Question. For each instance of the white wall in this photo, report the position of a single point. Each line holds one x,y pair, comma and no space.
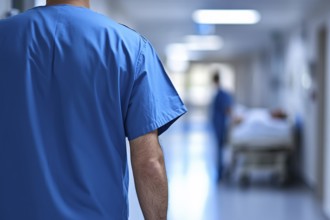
254,81
254,76
5,6
320,19
260,79
260,82
298,100
243,82
301,52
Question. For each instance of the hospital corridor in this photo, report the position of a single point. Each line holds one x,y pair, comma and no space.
195,194
255,78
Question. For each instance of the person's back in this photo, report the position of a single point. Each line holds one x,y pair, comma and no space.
221,108
222,104
69,82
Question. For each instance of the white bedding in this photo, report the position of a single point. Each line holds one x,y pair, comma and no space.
260,130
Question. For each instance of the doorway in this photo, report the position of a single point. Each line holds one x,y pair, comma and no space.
321,119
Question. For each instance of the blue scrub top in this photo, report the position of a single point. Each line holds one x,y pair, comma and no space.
73,85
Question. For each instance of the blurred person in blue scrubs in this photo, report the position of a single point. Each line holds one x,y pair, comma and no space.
73,85
221,111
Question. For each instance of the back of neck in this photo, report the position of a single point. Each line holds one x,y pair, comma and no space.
81,3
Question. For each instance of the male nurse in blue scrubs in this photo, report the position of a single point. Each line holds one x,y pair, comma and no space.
221,111
74,85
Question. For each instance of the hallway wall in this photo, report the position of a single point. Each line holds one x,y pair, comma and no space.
5,5
327,141
253,81
259,78
293,86
299,89
244,80
302,62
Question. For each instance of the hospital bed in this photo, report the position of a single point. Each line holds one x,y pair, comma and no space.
261,142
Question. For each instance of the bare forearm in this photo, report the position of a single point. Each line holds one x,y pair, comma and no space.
152,189
150,176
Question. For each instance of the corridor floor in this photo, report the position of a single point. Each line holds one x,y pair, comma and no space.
190,157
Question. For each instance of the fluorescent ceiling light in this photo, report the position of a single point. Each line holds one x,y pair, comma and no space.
180,51
201,38
200,42
226,16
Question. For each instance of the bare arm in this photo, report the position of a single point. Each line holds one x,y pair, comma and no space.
150,176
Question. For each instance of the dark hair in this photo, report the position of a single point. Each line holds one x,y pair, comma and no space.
216,77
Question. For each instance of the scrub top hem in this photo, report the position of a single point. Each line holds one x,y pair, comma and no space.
162,124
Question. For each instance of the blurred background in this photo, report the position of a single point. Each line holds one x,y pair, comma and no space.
273,61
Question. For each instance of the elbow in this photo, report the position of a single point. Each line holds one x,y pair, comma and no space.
153,166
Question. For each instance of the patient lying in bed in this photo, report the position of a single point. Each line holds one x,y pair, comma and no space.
260,128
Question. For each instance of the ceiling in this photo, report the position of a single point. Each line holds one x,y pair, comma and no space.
165,22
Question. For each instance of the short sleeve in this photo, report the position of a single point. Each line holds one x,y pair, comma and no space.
154,103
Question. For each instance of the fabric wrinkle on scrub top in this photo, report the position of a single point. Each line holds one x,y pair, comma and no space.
221,103
73,85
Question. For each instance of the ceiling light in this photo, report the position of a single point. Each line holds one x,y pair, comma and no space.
226,16
201,42
199,38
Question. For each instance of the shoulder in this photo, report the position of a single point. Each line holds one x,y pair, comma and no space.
13,19
224,93
104,22
119,32
2,22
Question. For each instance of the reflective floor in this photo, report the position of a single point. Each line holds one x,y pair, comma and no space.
190,156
